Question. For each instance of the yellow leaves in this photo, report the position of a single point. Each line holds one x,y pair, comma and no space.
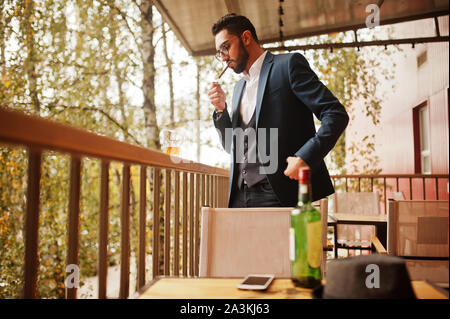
13,164
52,283
17,185
5,80
17,11
14,152
4,223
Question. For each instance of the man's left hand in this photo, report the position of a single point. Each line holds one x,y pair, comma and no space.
294,164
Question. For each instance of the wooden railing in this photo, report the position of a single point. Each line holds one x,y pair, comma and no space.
413,186
195,185
206,186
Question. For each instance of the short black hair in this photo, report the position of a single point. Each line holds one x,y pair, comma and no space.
234,24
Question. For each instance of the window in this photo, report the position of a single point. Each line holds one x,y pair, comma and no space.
421,139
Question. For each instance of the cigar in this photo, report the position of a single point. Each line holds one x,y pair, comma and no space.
220,75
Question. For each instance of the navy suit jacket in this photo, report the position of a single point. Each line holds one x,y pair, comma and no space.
289,92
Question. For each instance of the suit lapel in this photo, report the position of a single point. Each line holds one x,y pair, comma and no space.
237,101
263,76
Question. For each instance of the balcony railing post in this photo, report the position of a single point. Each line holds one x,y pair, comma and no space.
212,191
209,190
203,199
217,191
198,190
176,248
423,187
221,192
167,200
185,224
219,179
103,231
142,225
206,190
437,188
32,225
125,234
191,224
410,188
384,195
74,220
225,192
155,239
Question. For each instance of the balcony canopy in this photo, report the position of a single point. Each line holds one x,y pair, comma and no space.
192,20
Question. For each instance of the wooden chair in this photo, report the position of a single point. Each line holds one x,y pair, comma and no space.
239,241
359,203
398,196
419,232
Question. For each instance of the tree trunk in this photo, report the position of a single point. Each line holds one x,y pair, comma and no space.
198,112
169,69
120,83
30,45
148,88
2,42
148,85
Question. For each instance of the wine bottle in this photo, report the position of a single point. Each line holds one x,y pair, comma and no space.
305,237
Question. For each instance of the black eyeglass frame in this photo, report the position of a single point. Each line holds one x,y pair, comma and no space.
224,50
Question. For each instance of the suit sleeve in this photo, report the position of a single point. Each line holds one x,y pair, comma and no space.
223,127
317,97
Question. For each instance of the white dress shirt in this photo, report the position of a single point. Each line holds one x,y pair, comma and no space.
248,101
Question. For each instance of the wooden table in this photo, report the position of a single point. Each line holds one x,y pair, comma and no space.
379,221
225,288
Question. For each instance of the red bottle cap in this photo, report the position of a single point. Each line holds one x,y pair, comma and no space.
304,176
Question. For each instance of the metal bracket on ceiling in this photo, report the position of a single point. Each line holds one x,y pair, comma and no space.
356,37
385,43
436,24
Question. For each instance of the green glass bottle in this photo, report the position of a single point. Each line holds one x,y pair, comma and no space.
305,237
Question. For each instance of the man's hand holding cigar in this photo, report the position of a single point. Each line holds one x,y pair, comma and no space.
217,97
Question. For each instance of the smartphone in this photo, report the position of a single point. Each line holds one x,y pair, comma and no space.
256,282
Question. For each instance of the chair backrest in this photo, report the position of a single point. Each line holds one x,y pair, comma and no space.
419,231
361,203
398,196
358,203
239,241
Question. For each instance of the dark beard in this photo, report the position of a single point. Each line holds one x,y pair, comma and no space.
242,60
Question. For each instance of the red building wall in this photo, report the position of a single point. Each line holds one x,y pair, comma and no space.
414,85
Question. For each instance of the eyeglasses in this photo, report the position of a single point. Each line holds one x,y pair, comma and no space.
224,50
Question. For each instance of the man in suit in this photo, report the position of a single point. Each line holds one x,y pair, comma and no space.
277,96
